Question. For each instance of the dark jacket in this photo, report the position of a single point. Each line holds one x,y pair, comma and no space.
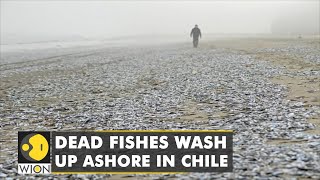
195,33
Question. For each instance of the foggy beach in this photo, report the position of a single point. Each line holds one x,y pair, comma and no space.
262,82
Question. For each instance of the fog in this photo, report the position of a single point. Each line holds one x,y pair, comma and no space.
32,21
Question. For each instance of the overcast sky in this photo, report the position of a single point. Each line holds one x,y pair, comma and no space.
111,19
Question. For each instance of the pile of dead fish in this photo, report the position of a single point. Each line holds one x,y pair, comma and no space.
159,88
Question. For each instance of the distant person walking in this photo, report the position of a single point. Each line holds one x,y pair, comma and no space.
195,33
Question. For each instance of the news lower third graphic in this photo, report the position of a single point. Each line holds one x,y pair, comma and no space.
125,152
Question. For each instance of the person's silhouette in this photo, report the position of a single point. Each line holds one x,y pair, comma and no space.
195,33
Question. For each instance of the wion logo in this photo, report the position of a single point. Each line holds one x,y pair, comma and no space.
34,152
